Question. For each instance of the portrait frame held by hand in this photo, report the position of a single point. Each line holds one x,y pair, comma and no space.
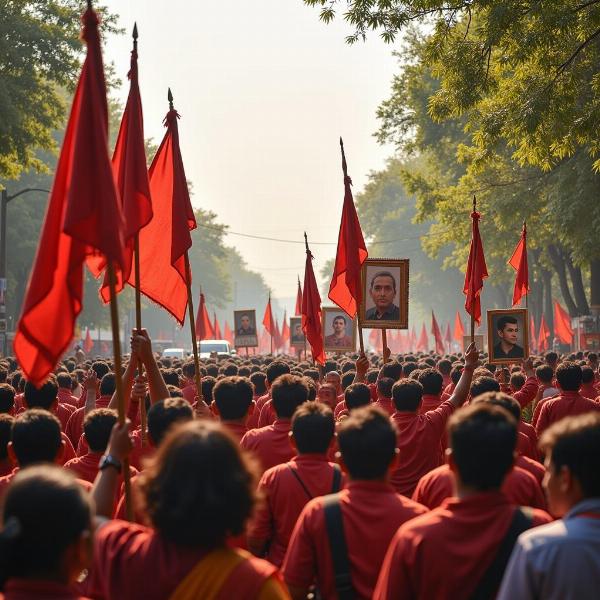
331,319
245,332
297,337
508,335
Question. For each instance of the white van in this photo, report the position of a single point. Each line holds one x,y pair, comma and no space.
208,348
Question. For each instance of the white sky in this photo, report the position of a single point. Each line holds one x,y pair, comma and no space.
264,90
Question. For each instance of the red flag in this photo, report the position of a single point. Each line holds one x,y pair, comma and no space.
277,343
423,343
285,329
204,328
131,174
562,324
476,272
88,343
345,287
437,335
459,330
216,328
166,239
412,341
448,334
104,348
298,310
264,344
518,261
268,320
311,310
83,219
543,336
228,334
532,339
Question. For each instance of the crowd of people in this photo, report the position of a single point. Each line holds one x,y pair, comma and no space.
409,476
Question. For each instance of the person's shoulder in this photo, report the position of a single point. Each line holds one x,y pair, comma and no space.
370,314
120,532
411,506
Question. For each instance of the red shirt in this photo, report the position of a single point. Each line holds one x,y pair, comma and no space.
86,467
568,404
6,468
589,391
419,443
538,409
524,446
528,392
190,392
74,427
270,444
371,512
285,498
65,397
339,408
23,589
444,553
533,466
239,430
529,431
252,422
429,402
386,404
267,414
519,486
5,482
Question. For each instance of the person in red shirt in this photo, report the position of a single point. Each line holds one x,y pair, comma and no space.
419,436
233,403
444,366
46,536
432,382
588,387
327,395
447,552
569,403
65,389
46,397
6,465
7,399
274,370
371,511
287,488
356,396
384,395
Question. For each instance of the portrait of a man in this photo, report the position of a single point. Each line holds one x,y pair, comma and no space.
383,289
245,328
338,330
507,335
297,335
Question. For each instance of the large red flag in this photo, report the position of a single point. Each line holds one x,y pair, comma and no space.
268,320
204,328
166,239
298,310
311,310
476,272
83,219
543,336
216,327
562,324
518,261
131,174
228,334
88,343
437,334
459,330
345,287
423,343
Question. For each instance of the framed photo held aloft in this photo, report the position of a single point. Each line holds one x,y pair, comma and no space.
297,337
508,335
339,331
385,293
245,335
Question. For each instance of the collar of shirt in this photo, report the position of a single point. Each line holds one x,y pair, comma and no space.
489,500
404,416
569,394
370,487
585,506
282,424
310,457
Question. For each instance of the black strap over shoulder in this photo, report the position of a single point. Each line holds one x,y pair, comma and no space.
339,549
295,474
490,582
337,479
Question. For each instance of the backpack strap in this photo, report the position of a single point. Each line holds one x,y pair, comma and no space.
339,549
490,582
337,479
294,472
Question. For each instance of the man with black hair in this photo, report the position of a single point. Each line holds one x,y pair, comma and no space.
6,465
356,395
384,395
432,382
369,509
233,403
444,366
46,397
551,359
259,381
65,389
450,552
562,559
507,329
339,337
271,444
273,371
545,377
7,398
287,488
588,389
382,290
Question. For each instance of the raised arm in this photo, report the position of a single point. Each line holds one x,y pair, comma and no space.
142,347
461,391
127,383
90,390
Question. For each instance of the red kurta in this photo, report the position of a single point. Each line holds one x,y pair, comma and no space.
74,427
270,444
568,404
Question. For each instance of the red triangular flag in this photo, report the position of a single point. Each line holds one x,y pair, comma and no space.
83,219
532,340
345,288
423,343
216,327
285,329
476,272
166,239
88,343
459,330
448,334
518,261
268,321
204,328
437,335
277,336
562,324
298,310
228,334
311,310
543,336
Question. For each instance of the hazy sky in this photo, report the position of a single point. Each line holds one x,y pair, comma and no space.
264,90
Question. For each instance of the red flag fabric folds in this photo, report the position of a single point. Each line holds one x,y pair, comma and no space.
345,288
476,272
228,334
216,328
285,330
268,320
88,344
83,219
448,334
423,343
543,335
298,310
166,239
518,261
459,330
204,328
437,334
311,311
532,339
562,324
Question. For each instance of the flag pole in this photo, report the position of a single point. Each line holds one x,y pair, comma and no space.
473,271
188,280
116,335
271,332
525,250
384,340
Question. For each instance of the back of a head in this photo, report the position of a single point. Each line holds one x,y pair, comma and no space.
517,381
481,385
372,375
170,377
551,358
569,376
108,385
483,439
392,369
444,366
100,368
6,423
7,397
456,373
384,387
258,379
189,369
587,375
501,399
164,413
545,374
275,370
45,511
64,380
207,386
312,373
288,392
212,370
407,395
97,427
330,365
357,395
367,442
35,437
432,381
233,397
312,387
230,370
199,511
348,378
313,427
42,397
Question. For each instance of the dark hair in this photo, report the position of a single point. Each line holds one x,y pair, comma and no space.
64,380
170,376
432,381
233,397
207,385
569,375
504,321
108,384
382,274
164,413
408,368
7,397
97,427
503,400
367,442
348,378
551,357
230,369
313,427
203,510
574,442
42,397
276,369
481,385
35,437
372,375
384,386
100,368
357,395
483,439
312,373
456,373
587,375
392,369
6,422
3,374
544,373
407,395
258,379
517,380
189,369
45,511
212,370
339,317
287,394
330,365
444,366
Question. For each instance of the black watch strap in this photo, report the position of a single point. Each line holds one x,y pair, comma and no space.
110,461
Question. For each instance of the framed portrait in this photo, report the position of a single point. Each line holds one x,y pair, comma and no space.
508,339
339,331
297,337
245,335
385,294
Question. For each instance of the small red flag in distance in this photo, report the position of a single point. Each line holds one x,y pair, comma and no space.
298,310
311,310
217,328
204,328
476,271
562,324
518,261
448,334
228,334
459,330
88,344
437,334
532,339
268,320
543,335
423,343
285,329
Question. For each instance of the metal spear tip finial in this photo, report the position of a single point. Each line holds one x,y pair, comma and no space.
474,203
89,4
170,99
135,31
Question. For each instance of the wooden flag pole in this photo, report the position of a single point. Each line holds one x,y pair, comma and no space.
384,340
473,273
114,318
197,374
138,326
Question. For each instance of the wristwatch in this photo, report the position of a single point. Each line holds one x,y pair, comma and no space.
108,460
